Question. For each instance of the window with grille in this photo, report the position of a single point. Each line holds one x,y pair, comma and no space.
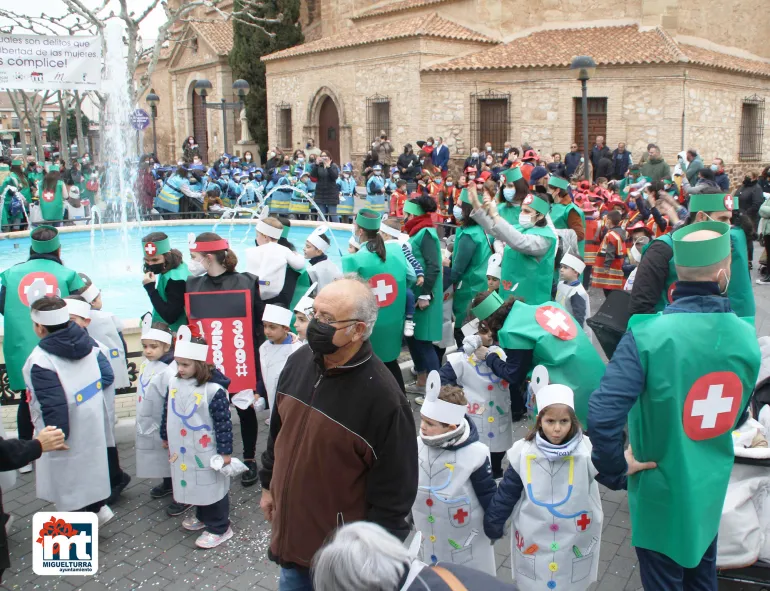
752,129
377,117
283,125
490,119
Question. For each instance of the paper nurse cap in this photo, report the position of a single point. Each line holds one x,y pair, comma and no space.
547,394
153,334
316,240
277,314
39,289
717,202
186,349
557,181
46,246
305,303
268,230
393,232
573,262
494,266
701,253
440,410
489,305
412,208
91,293
464,198
78,308
470,328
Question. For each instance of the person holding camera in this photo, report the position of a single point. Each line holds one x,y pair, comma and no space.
327,193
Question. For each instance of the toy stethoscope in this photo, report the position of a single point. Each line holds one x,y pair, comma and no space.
184,418
435,489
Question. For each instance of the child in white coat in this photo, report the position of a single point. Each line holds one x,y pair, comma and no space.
269,259
570,293
550,490
322,270
455,482
274,352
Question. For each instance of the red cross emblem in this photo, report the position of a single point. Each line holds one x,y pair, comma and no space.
583,522
205,440
519,540
670,294
48,196
460,516
385,289
51,285
557,322
729,202
507,285
150,248
712,405
527,200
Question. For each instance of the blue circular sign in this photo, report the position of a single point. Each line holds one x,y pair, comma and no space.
140,119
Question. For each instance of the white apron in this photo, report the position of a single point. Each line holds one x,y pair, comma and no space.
563,294
109,402
323,273
268,262
272,358
151,457
559,543
105,328
489,399
78,477
447,511
191,443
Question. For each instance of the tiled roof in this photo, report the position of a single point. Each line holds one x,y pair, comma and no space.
430,25
607,45
218,35
395,7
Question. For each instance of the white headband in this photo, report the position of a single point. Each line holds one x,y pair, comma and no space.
305,303
494,268
277,314
268,230
157,335
51,317
440,410
78,308
188,350
571,261
90,294
318,242
390,231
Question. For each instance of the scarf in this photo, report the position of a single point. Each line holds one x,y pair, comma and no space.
554,452
417,223
319,259
450,439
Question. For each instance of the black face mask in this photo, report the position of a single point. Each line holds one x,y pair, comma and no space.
157,269
320,337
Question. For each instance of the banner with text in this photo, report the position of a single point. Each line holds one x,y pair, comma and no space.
38,62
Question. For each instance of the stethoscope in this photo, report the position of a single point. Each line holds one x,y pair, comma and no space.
551,507
435,489
184,418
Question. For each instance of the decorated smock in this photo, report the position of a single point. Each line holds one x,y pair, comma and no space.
151,456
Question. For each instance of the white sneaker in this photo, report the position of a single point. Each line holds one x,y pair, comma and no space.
409,328
9,523
267,421
25,469
413,371
419,400
192,523
104,515
208,540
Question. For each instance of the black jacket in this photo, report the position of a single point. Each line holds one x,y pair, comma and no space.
408,173
350,433
597,154
604,168
621,161
650,280
471,579
750,198
326,190
572,161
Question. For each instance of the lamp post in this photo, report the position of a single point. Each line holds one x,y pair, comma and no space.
241,88
584,66
153,100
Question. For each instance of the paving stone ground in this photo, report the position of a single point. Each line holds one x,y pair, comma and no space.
144,549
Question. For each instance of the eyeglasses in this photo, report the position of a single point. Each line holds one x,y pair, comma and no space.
325,319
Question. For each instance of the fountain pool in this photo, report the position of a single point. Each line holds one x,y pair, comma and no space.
115,264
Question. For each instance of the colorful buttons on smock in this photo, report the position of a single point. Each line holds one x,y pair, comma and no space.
432,538
431,519
551,584
554,547
183,432
553,567
429,502
554,527
183,467
491,419
490,387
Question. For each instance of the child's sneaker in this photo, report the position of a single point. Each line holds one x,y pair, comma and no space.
160,491
192,523
25,469
251,476
409,328
104,515
174,509
208,540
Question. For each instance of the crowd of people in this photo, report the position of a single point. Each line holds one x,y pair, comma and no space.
485,278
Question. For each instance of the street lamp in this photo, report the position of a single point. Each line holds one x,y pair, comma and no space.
153,100
241,88
584,66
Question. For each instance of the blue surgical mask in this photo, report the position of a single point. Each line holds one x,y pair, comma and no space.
714,167
509,194
457,211
449,184
631,204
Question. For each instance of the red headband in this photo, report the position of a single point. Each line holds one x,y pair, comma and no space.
213,246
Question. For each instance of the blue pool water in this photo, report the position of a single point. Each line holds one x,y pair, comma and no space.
115,261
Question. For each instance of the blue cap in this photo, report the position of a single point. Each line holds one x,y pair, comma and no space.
284,169
224,171
537,173
377,167
347,167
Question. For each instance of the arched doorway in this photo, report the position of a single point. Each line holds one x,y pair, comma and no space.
329,129
200,127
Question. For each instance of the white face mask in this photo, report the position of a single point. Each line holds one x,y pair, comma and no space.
635,254
525,220
727,282
475,154
196,268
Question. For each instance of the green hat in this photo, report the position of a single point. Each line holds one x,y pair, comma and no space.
17,162
511,174
716,202
464,197
701,253
368,219
150,248
53,168
285,231
413,208
557,181
4,167
667,181
46,246
489,306
537,203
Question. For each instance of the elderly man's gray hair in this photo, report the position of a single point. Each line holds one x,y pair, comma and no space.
361,556
366,309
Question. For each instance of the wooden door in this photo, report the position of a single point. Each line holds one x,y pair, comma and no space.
200,127
597,121
329,130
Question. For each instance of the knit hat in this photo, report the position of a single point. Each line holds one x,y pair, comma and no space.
538,173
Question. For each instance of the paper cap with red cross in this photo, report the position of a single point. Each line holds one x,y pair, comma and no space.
186,349
152,248
537,203
716,202
548,394
440,410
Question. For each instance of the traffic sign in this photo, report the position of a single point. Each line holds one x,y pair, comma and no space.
139,119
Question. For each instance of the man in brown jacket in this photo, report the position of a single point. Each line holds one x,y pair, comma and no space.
343,443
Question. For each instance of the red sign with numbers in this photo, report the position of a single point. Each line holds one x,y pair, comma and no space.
229,334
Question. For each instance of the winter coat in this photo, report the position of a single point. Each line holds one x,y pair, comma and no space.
440,157
408,173
693,168
604,168
656,169
572,161
558,168
620,163
597,154
750,198
421,577
327,192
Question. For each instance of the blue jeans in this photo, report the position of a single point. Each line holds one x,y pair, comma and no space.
660,573
409,305
423,354
329,211
294,580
